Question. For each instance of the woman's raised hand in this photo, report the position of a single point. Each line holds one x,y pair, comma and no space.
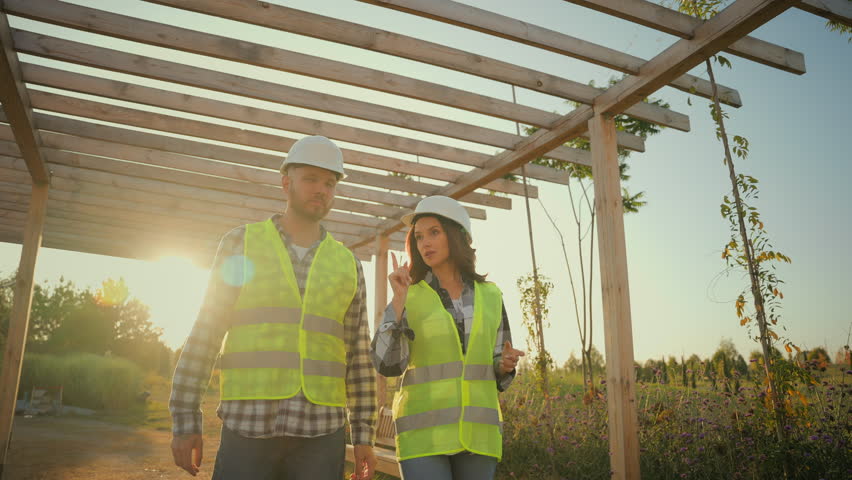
400,280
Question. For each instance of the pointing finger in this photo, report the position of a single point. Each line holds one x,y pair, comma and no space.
395,265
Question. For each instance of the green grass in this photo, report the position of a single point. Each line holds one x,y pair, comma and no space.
89,381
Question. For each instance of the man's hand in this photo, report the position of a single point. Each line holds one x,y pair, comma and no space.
187,451
365,463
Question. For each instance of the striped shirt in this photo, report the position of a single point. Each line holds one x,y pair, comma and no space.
390,349
294,416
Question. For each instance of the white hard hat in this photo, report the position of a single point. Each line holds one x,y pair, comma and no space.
318,151
443,206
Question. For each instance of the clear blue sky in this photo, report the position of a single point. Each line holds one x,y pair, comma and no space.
797,126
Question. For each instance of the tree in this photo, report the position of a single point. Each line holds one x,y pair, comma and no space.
535,317
583,211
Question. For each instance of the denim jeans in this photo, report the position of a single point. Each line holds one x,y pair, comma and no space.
280,458
461,466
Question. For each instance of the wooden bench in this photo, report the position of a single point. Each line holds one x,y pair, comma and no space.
385,450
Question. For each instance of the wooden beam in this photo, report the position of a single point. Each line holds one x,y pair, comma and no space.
713,34
16,102
128,116
175,194
615,297
708,38
380,301
51,77
19,319
114,60
167,36
682,25
491,23
835,10
106,246
327,28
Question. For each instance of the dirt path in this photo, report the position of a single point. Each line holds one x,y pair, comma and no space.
73,448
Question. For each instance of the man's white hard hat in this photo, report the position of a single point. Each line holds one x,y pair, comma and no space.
317,151
443,206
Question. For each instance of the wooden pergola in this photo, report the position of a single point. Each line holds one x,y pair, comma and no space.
80,174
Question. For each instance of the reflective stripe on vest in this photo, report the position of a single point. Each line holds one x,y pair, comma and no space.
278,342
448,401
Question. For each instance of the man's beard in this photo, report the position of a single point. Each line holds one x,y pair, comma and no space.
315,214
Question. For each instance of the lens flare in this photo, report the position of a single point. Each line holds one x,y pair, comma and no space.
237,270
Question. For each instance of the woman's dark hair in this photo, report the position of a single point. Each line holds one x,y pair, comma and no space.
461,253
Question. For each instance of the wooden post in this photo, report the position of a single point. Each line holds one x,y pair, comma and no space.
380,302
615,296
19,320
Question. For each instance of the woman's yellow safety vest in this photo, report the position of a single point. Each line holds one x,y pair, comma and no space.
278,342
448,401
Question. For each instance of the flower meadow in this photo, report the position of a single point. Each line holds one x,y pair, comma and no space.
694,433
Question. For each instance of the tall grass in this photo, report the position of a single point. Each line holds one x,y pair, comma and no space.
88,381
683,433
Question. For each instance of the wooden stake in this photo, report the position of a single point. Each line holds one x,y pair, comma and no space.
19,320
380,302
615,296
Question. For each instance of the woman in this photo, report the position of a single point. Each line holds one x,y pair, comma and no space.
446,331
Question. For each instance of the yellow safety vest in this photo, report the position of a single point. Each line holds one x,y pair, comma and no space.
279,343
448,401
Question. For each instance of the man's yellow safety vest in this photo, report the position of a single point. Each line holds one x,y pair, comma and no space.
279,343
448,401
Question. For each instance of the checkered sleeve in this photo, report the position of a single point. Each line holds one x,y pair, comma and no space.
199,353
390,349
504,333
360,375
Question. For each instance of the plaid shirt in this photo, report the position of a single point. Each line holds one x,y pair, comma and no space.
390,353
294,416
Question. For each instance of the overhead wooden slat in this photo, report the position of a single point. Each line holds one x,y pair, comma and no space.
729,24
16,102
158,198
213,185
215,199
466,16
139,118
681,25
734,22
340,31
835,10
56,78
114,60
258,176
153,33
113,211
103,246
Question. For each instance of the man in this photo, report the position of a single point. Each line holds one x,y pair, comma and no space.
292,302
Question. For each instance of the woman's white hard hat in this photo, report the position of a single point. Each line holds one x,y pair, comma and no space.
317,151
444,206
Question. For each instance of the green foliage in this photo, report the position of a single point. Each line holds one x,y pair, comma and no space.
841,28
89,381
535,317
693,433
66,319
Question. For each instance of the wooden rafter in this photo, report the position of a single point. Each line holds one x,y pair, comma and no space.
462,15
348,33
681,25
16,102
734,22
835,10
56,78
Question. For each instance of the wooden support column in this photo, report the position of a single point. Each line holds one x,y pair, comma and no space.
615,296
380,302
19,320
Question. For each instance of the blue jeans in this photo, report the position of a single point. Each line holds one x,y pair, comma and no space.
280,458
461,466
